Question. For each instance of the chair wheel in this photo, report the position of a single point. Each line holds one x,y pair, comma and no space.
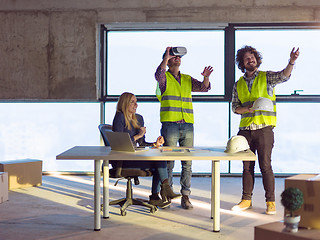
153,210
123,212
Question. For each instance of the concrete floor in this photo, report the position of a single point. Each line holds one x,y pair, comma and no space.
62,208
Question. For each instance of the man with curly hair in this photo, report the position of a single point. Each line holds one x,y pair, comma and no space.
257,125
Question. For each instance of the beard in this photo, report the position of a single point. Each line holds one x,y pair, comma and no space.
250,68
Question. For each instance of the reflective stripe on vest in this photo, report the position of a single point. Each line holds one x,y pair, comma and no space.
176,101
259,89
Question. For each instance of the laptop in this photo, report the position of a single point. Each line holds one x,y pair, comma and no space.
121,141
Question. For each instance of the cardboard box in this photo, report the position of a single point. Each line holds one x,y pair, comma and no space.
3,187
309,184
23,173
274,230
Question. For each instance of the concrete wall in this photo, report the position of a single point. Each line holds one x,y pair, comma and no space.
48,47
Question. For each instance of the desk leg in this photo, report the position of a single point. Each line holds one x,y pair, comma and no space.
105,189
97,176
215,195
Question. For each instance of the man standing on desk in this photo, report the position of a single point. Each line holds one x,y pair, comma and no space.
176,113
257,124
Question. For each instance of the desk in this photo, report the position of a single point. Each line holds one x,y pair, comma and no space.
102,153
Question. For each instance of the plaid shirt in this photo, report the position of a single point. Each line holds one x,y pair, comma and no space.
161,78
273,78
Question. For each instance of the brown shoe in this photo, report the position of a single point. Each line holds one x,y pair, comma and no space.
243,205
185,202
158,202
167,193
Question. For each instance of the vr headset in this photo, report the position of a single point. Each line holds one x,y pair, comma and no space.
177,51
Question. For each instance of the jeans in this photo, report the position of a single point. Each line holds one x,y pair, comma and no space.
260,141
159,169
181,133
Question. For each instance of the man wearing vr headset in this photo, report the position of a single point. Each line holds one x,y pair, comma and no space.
176,113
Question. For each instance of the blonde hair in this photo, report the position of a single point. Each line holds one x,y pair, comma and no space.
123,105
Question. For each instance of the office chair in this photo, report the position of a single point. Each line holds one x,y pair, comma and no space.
118,172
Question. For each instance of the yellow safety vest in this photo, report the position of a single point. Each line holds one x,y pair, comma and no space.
259,89
176,101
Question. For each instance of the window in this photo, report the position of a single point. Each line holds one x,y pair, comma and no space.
210,130
296,148
44,130
275,47
296,132
133,56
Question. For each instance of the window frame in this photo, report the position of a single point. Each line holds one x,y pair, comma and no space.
105,29
229,54
279,26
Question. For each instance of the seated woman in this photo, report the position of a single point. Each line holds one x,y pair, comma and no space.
127,120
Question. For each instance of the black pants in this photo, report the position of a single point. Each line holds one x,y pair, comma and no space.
261,141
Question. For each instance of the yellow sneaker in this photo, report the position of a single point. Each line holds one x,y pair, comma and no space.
243,205
271,208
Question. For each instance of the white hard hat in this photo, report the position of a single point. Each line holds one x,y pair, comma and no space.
236,144
263,104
